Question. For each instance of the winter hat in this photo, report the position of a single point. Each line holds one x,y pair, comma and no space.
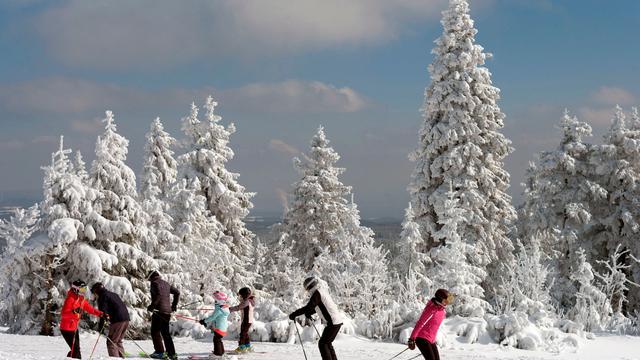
97,288
441,295
245,292
220,297
79,286
152,274
310,282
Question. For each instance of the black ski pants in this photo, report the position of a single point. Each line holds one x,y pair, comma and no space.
160,333
428,350
326,342
244,334
218,346
72,338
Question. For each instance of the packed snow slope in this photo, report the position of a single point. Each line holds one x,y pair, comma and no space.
610,347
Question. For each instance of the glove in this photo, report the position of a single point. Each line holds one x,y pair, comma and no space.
174,308
202,322
76,310
308,316
105,316
411,344
150,308
292,317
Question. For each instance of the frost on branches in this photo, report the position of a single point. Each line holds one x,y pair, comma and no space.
410,264
461,144
206,158
617,168
452,268
115,231
323,230
592,307
558,196
158,176
202,171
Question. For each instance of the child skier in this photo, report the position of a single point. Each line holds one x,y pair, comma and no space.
217,322
426,329
246,306
322,303
74,305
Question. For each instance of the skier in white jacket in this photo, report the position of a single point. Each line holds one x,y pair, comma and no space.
322,303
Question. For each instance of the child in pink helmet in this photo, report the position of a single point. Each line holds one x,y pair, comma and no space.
426,329
217,323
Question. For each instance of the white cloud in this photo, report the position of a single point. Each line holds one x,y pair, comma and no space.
61,95
611,95
294,96
152,34
283,147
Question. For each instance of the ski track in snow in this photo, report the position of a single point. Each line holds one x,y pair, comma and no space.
22,347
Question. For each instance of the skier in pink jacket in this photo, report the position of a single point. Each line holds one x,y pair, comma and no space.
426,329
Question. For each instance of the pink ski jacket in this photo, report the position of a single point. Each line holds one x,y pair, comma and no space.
429,322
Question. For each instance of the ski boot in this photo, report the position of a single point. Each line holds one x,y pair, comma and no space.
158,355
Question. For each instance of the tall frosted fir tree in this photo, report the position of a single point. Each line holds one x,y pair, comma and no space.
158,175
112,249
324,232
558,195
227,201
461,144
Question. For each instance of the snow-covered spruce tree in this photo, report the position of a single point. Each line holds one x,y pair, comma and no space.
158,176
617,168
283,276
80,167
410,264
324,232
203,257
460,143
226,200
20,292
615,281
27,269
559,192
527,288
592,307
115,231
452,268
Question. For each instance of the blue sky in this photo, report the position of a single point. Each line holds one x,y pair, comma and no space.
280,68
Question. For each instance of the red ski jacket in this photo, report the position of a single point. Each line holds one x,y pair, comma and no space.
72,309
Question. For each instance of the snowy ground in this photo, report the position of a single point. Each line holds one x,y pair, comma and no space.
608,347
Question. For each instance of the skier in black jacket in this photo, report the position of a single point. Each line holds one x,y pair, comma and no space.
162,309
322,303
117,315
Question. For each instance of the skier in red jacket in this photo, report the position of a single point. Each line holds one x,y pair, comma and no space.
74,305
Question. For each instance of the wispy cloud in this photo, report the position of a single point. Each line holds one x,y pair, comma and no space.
611,95
281,146
61,95
155,34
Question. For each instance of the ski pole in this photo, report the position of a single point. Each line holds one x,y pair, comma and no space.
186,317
189,304
400,353
300,338
201,309
98,339
415,357
139,347
317,332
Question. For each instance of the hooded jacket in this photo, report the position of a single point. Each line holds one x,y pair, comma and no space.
429,322
321,302
217,321
246,309
160,293
72,310
111,304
